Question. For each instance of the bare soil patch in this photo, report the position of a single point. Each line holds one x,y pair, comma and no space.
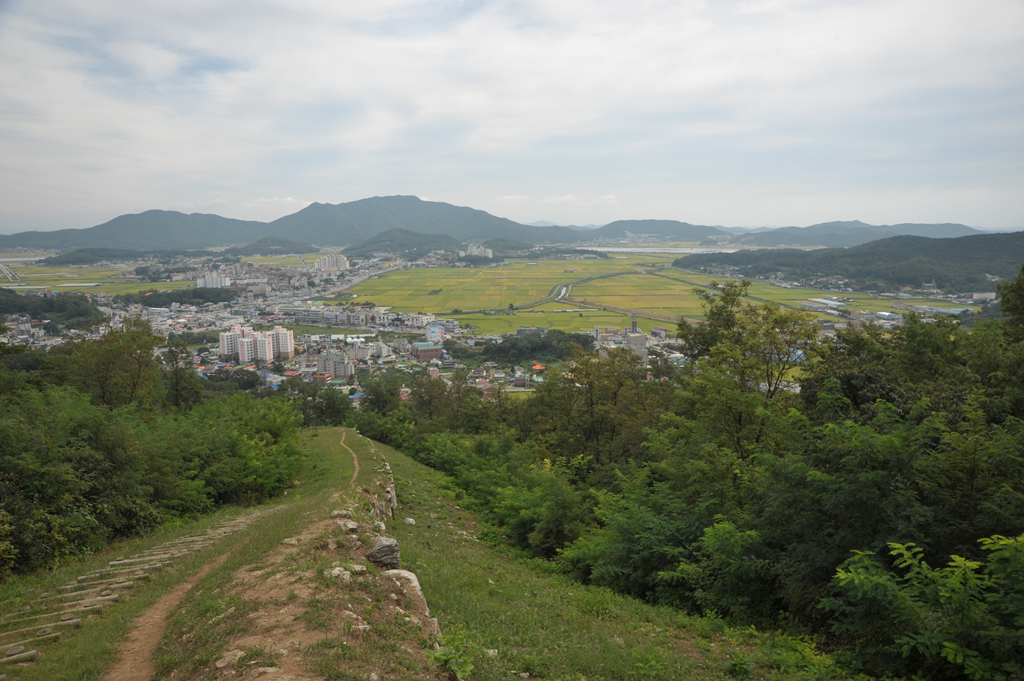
135,659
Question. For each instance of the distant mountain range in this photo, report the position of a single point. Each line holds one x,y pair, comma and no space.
345,224
957,264
847,234
321,224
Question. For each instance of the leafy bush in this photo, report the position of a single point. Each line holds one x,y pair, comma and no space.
966,617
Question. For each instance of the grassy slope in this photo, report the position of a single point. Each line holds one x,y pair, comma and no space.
537,622
556,629
85,652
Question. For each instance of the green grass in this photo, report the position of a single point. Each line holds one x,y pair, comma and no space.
85,652
544,624
109,278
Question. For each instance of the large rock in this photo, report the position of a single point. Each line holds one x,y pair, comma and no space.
385,553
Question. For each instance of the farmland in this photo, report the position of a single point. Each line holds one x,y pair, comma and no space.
446,289
657,294
70,279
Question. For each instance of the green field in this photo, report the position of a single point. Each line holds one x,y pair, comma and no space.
564,321
108,277
443,289
284,261
494,288
487,288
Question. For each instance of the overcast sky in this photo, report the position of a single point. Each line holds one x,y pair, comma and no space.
771,112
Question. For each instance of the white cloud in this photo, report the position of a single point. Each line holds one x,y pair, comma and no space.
111,107
556,200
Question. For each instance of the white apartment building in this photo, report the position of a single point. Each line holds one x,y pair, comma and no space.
246,350
212,280
331,263
435,333
334,362
248,345
480,250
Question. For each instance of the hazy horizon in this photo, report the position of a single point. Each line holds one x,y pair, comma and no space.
741,114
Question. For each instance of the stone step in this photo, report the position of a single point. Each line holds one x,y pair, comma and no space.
59,614
21,657
101,583
85,592
71,623
127,571
36,640
112,598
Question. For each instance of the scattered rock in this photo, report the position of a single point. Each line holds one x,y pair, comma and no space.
357,569
362,628
374,677
339,573
433,516
260,671
408,521
332,544
221,616
491,652
348,526
229,658
385,553
290,541
379,527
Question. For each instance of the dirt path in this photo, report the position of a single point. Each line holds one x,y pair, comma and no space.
355,460
135,659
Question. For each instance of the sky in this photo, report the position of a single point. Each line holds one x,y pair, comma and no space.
759,113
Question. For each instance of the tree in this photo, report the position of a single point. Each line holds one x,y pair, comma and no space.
184,387
720,314
1011,294
115,370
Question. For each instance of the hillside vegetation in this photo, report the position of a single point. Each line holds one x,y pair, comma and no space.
98,442
404,243
958,264
881,507
67,309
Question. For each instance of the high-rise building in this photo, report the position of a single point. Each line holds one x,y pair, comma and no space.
212,280
637,343
481,251
248,345
331,262
246,350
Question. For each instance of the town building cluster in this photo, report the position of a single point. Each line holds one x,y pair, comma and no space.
246,345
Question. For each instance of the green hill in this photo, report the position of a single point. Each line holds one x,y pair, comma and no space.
852,233
405,243
683,231
152,230
345,223
502,245
958,264
271,246
319,223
